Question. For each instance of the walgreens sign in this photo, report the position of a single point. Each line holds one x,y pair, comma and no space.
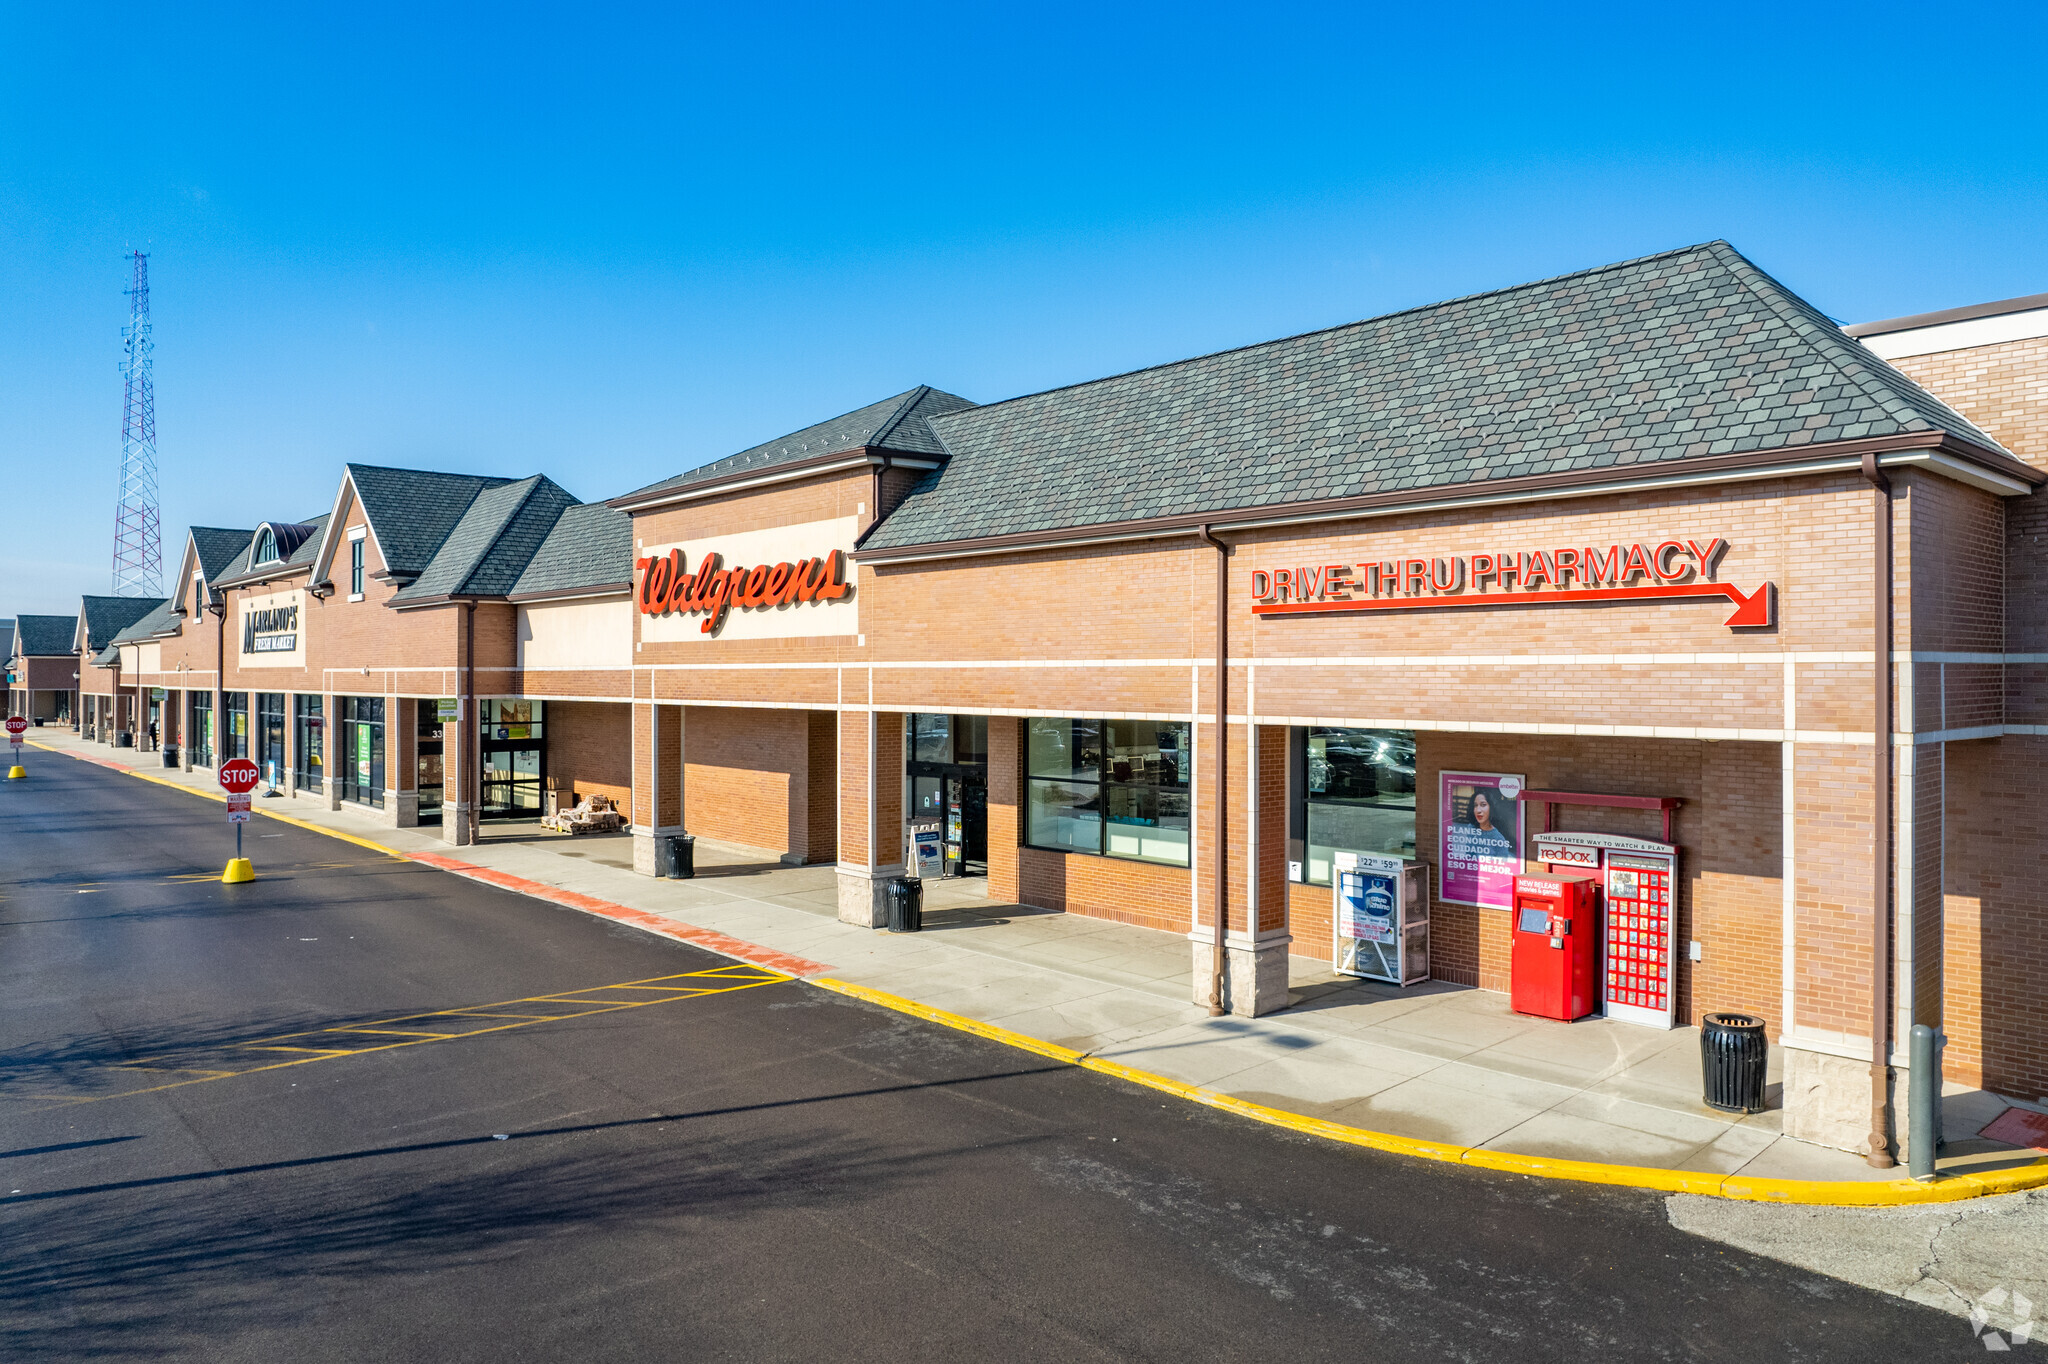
667,585
1667,570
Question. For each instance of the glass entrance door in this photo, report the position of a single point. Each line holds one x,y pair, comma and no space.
948,770
511,782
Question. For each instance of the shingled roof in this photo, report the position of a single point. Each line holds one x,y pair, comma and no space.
1671,357
106,617
414,511
493,542
158,623
221,553
589,549
44,636
900,423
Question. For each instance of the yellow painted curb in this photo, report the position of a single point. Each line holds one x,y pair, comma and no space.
1840,1193
296,823
959,1021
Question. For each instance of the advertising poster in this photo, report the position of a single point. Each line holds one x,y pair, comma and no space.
1482,838
1370,890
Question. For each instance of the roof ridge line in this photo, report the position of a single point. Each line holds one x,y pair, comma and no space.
900,415
1833,343
1861,376
1587,273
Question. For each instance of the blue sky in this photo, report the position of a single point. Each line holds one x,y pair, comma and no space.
608,243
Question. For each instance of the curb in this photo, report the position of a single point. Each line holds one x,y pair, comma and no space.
1897,1193
1834,1193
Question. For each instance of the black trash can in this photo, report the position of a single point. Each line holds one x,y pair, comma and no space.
906,905
1733,1055
675,855
124,739
170,755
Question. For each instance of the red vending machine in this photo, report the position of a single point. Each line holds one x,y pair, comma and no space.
1556,948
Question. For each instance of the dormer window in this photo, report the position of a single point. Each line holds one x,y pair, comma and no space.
266,547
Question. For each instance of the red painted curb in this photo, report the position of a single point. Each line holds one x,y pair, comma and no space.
752,953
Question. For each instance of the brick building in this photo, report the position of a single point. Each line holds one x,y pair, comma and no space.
1655,554
42,669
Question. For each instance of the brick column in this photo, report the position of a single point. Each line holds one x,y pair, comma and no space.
401,761
657,780
1005,809
458,754
330,748
1255,839
870,813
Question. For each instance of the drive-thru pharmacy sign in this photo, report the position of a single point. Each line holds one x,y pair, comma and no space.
1673,569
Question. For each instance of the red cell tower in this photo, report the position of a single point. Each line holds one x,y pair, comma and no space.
138,536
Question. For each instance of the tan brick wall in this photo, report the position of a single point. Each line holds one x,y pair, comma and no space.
750,780
590,749
1995,914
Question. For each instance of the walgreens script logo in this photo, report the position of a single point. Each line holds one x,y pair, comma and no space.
667,585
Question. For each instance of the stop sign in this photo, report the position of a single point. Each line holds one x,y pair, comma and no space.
238,776
16,725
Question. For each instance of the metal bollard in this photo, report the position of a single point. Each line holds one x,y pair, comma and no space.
1923,1102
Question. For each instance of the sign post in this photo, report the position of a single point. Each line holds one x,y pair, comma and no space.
238,777
16,727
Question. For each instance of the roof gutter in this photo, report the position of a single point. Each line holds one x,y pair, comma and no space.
1938,452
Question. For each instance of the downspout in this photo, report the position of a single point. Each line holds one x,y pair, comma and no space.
1216,959
466,752
220,678
1880,1156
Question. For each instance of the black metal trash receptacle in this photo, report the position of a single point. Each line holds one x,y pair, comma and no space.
1733,1057
170,755
675,855
906,905
124,739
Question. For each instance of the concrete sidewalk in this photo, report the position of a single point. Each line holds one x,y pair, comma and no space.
1435,1062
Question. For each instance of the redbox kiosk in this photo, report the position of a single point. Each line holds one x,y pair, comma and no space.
1556,951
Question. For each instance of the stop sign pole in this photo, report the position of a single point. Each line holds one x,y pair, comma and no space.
238,777
16,727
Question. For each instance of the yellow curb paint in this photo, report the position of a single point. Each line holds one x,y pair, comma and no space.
1843,1193
272,814
959,1021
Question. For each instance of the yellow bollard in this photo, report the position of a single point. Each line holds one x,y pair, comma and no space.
237,872
16,772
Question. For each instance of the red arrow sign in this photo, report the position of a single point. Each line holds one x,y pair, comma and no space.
1751,608
16,725
239,776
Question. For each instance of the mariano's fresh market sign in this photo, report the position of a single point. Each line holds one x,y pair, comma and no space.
1672,569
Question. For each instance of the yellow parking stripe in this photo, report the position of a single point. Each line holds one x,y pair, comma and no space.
729,979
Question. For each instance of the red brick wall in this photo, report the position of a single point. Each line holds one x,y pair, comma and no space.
748,776
821,821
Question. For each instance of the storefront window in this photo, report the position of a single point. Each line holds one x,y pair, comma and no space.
308,748
359,758
1354,791
270,736
430,747
235,736
1118,788
202,728
512,759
